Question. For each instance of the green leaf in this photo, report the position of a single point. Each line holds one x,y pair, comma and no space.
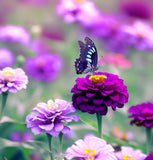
6,119
88,121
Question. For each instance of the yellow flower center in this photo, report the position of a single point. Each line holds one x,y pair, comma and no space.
8,75
79,1
97,78
53,106
128,157
90,153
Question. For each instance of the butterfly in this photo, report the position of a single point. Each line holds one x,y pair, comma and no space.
87,61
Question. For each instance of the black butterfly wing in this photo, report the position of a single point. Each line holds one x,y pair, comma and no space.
87,60
91,50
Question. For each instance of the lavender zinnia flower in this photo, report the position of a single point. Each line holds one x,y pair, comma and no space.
142,114
14,34
43,67
149,157
95,93
128,153
90,148
6,58
12,80
50,117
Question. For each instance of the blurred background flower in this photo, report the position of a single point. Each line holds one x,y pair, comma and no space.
21,136
43,67
6,58
14,34
136,9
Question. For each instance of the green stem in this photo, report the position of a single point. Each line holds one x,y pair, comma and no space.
148,136
60,141
4,99
50,145
99,122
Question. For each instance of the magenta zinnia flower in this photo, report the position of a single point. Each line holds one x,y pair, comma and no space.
149,157
6,58
12,80
95,93
128,153
137,9
50,117
90,148
142,114
14,34
44,67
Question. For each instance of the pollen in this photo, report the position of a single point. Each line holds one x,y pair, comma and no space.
128,157
97,78
90,153
8,74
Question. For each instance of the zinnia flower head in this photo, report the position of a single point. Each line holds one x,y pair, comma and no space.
128,153
6,58
94,93
43,67
21,137
91,148
142,114
50,117
136,8
12,80
138,35
14,34
149,157
115,59
77,11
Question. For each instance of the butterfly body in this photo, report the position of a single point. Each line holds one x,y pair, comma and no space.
87,61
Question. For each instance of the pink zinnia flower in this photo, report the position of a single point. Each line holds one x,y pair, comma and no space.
12,80
90,148
115,59
78,11
128,153
14,34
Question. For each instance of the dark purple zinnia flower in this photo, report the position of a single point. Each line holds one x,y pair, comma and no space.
136,8
95,93
43,67
51,117
149,157
142,114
